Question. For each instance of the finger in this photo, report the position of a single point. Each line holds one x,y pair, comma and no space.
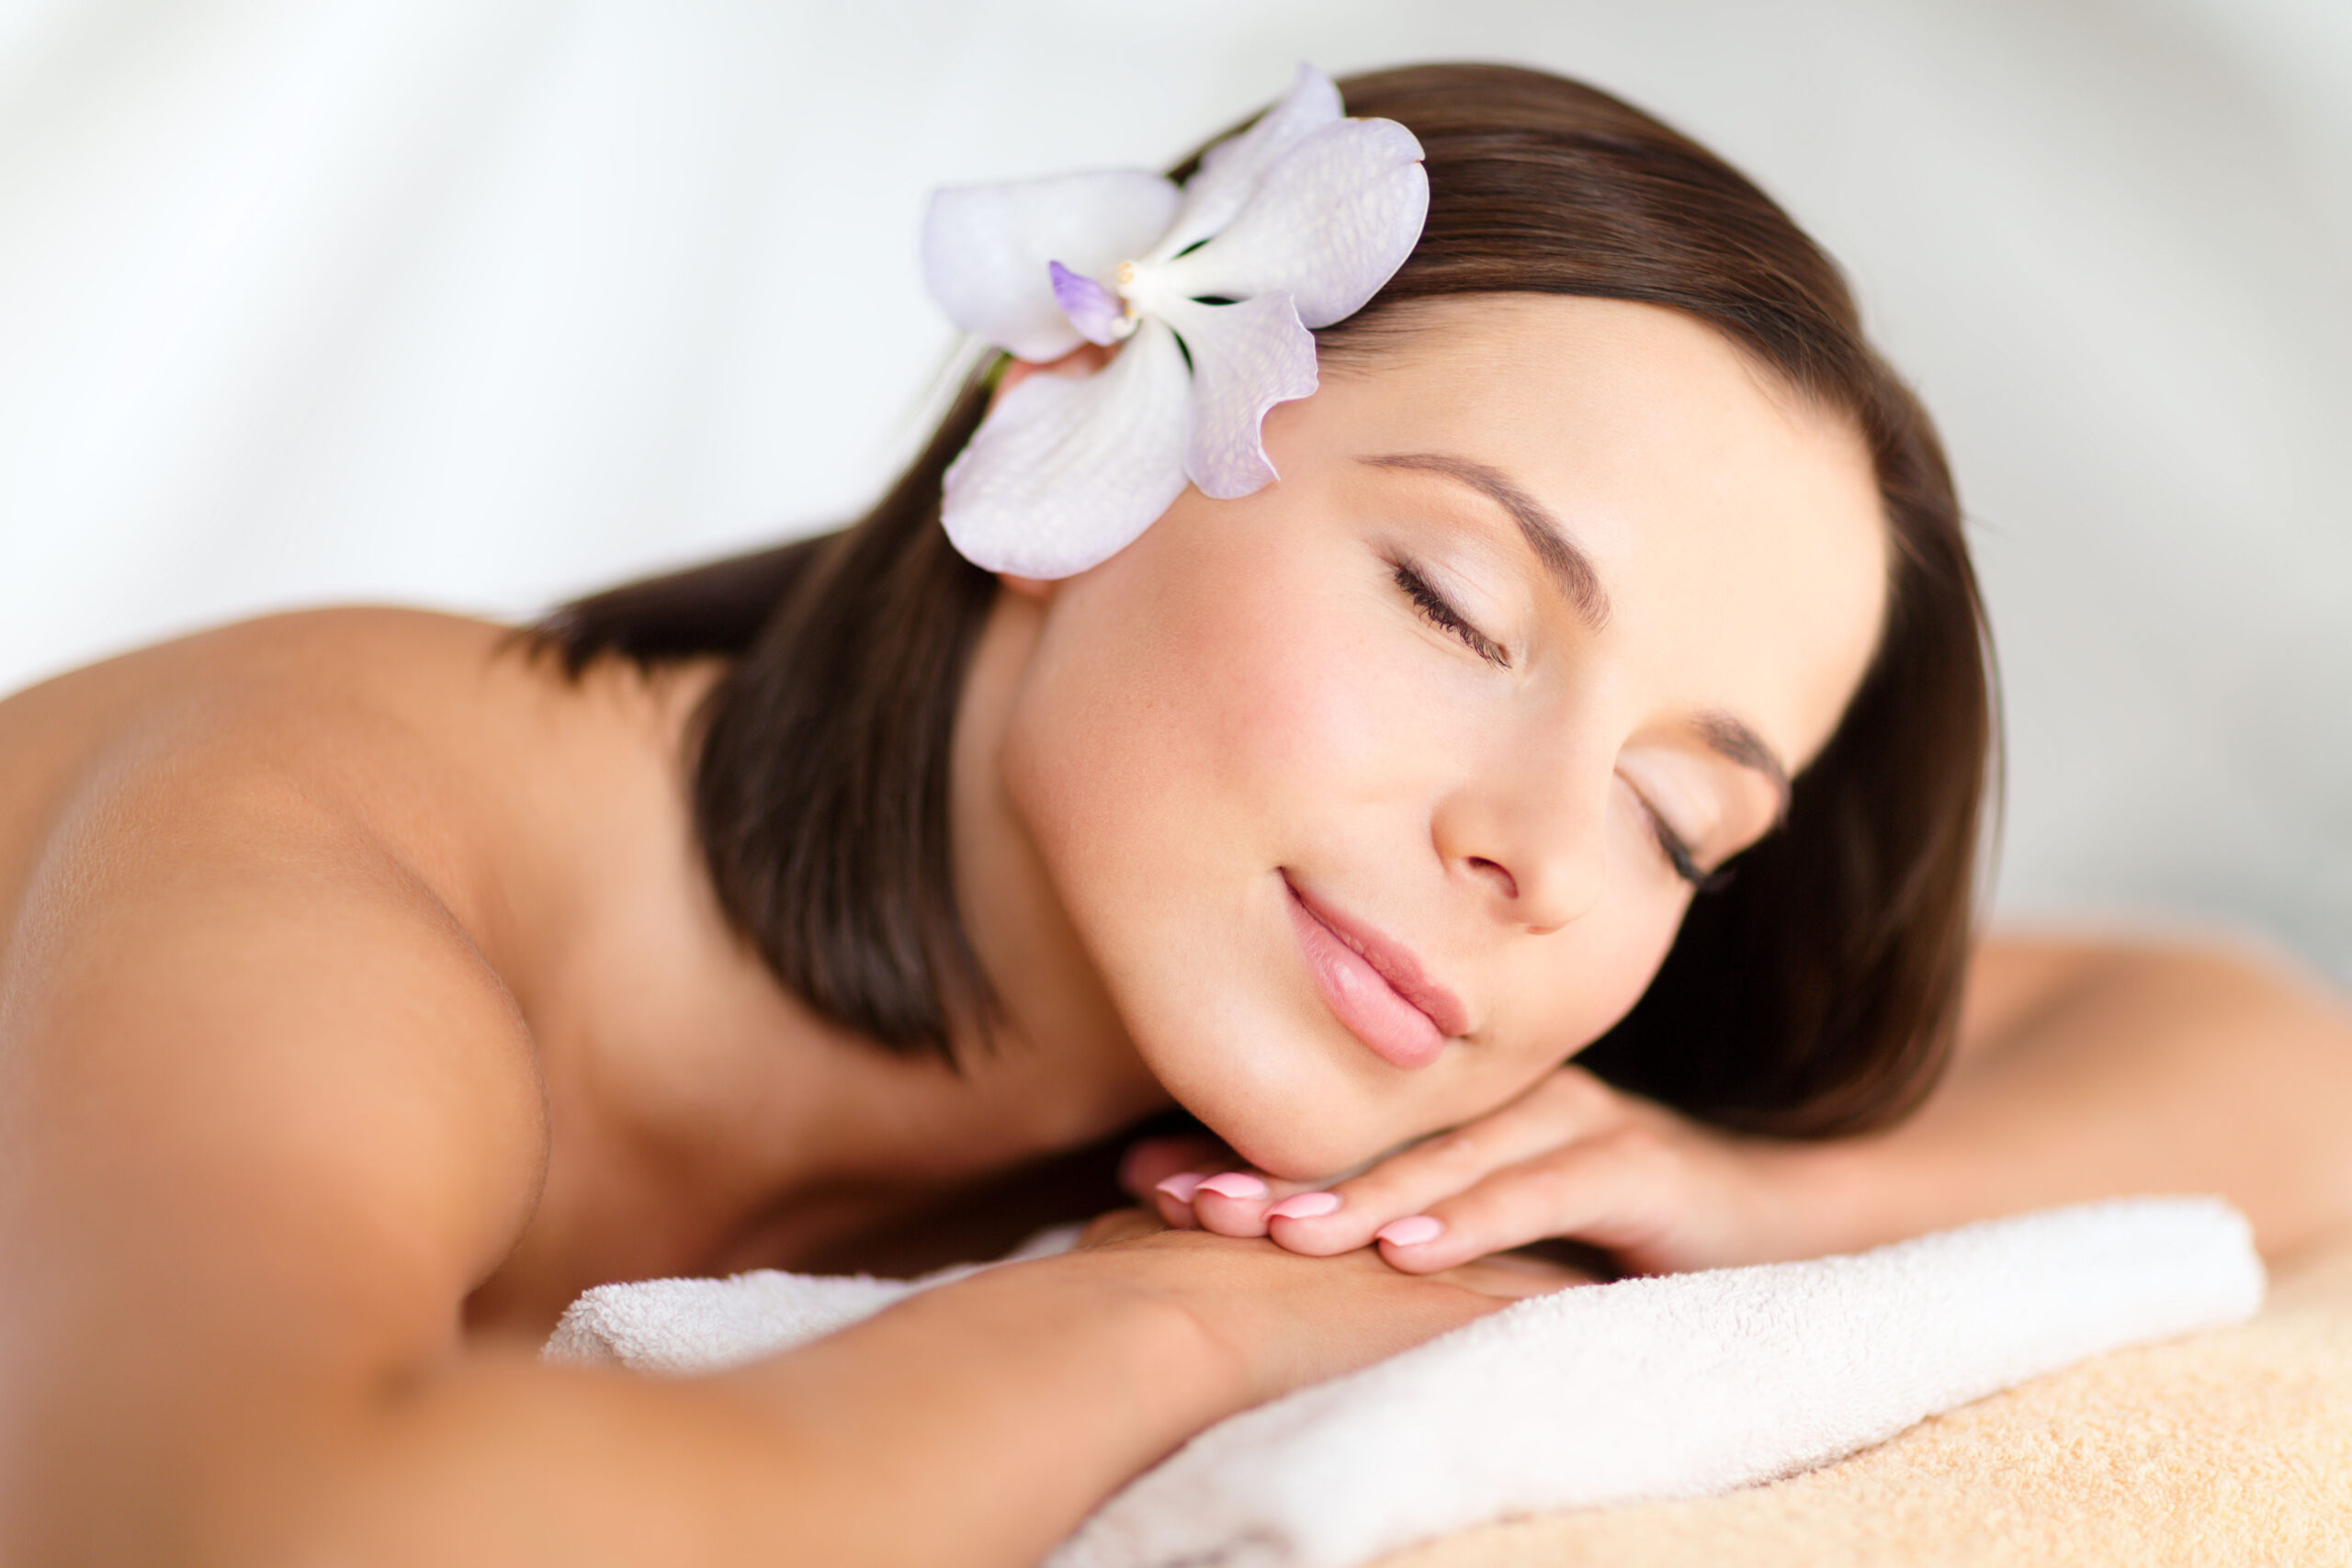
1615,1191
1562,1107
1513,1275
1231,1201
1173,1202
1234,1202
1150,1161
1177,1165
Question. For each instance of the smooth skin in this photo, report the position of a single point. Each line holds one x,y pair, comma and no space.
1248,699
362,1001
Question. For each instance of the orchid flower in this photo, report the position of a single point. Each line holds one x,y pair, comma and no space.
1209,291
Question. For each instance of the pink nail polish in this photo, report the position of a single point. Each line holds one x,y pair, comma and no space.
1234,1184
1181,1186
1305,1206
1412,1231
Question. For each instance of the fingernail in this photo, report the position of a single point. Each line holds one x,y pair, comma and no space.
1181,1186
1411,1231
1234,1184
1304,1206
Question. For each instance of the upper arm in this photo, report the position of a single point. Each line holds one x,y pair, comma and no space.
268,1116
2018,984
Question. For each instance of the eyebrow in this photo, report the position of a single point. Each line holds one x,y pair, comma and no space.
1729,736
1561,558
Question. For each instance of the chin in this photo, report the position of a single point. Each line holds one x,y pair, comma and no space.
1290,1111
1237,1035
1281,1152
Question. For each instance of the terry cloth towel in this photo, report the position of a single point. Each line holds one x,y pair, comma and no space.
683,1326
2226,1449
1676,1386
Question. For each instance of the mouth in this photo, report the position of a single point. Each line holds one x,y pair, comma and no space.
1372,984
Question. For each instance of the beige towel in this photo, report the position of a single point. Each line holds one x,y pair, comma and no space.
2232,1447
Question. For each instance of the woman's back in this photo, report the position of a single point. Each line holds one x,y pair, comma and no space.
459,817
653,1102
305,816
294,691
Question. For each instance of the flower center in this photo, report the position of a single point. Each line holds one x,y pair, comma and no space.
1099,315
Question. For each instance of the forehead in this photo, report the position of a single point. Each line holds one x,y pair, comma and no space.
1736,526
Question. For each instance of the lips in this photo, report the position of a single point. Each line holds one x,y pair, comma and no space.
1373,984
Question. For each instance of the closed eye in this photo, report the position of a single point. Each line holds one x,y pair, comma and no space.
1670,844
1442,615
1677,853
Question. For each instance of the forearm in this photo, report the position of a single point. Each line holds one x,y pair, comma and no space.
976,1426
2144,1071
1039,1393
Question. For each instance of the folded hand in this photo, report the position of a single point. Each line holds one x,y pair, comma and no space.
1570,1158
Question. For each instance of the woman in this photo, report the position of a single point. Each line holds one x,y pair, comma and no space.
375,982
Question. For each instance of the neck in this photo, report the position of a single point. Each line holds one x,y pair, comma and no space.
704,1118
1052,1006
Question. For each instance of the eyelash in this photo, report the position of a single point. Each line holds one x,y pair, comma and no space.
1677,853
1438,612
1435,610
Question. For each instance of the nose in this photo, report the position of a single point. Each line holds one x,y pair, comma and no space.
1532,834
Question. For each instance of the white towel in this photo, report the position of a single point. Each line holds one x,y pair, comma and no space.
1677,1386
681,1326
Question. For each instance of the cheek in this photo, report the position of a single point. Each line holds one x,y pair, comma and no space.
1618,970
1190,721
1188,690
1568,992
1206,708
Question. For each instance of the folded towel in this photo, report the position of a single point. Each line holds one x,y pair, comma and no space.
681,1326
1677,1386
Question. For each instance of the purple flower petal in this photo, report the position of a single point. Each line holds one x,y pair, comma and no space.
985,250
1328,222
1067,469
1245,358
1099,315
1229,171
1298,220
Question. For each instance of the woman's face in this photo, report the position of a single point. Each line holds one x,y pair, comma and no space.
1367,799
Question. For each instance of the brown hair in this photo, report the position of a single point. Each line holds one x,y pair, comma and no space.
1816,992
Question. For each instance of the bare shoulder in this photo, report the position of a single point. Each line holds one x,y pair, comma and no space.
254,1054
266,682
2018,976
387,720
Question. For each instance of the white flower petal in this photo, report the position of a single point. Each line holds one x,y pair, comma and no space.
1330,221
1066,470
1230,170
1245,358
986,248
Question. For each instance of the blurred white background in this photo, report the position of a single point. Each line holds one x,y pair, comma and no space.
475,303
